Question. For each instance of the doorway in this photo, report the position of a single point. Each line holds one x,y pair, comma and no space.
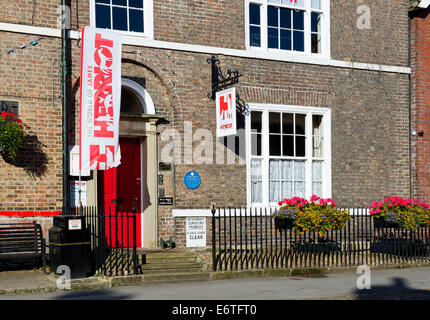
120,191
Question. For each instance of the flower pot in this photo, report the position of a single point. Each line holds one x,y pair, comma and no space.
379,222
283,223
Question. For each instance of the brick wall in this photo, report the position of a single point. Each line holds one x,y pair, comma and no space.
369,109
420,55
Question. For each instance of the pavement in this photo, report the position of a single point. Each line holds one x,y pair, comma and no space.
391,284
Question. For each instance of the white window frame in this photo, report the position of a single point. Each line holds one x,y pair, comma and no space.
325,30
326,159
148,27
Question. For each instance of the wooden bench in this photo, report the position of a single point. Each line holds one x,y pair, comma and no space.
22,245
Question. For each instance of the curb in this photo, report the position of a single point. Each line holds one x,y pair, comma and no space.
97,283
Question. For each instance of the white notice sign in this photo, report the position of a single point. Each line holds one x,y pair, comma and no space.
75,189
196,231
75,224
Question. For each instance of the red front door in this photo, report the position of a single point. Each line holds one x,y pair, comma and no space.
121,190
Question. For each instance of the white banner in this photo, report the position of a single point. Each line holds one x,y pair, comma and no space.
226,112
100,99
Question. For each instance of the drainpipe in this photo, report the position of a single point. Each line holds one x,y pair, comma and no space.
64,59
410,106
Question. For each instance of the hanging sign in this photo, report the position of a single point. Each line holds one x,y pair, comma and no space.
100,99
226,112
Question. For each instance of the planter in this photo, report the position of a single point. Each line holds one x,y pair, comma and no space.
283,223
381,223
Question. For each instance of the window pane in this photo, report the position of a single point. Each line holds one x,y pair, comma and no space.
254,13
119,18
103,1
103,17
256,184
300,146
287,123
317,171
317,188
275,145
254,36
300,123
272,34
316,42
299,189
285,39
299,41
288,146
300,3
315,22
256,144
256,121
287,169
256,170
136,20
287,190
130,103
298,20
274,122
299,170
316,4
274,191
272,16
120,2
317,147
274,173
317,125
285,18
135,3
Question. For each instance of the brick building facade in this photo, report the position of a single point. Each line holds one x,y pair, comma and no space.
335,73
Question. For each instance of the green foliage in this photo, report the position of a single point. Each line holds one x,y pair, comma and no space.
12,135
409,214
319,215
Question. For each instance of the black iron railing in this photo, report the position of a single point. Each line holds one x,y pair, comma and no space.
247,239
112,232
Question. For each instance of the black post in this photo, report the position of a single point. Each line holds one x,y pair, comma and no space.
134,242
213,210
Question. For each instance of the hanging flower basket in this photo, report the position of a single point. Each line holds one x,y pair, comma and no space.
379,222
283,223
12,135
394,212
317,215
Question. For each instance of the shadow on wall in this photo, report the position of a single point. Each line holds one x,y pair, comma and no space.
31,158
398,290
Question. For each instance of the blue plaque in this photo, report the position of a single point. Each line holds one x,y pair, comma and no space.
192,180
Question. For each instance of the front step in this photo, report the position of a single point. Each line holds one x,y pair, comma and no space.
175,277
172,266
167,265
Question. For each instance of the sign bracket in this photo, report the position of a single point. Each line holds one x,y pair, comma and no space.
219,80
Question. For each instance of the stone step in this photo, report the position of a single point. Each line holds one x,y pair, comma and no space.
164,271
175,277
160,260
159,266
170,255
